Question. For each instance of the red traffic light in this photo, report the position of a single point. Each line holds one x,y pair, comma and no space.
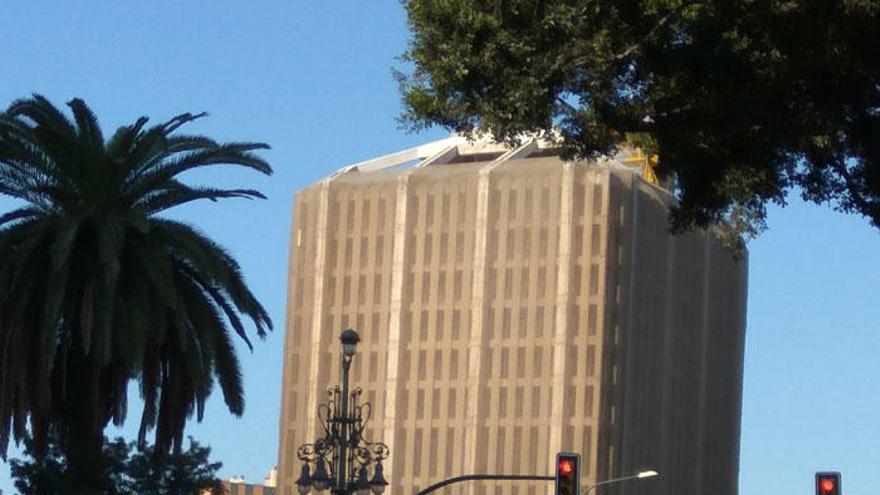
828,483
566,466
568,474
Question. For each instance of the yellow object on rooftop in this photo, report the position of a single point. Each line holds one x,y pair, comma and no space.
648,164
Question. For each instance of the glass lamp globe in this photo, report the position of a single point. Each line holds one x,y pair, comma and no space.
378,483
349,339
304,483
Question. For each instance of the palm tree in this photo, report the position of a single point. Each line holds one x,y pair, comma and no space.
97,289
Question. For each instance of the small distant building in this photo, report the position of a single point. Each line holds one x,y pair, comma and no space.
236,485
243,488
272,478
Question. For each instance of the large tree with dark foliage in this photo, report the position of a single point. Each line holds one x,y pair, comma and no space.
743,100
127,470
97,288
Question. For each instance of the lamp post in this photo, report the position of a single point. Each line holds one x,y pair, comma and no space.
640,475
342,456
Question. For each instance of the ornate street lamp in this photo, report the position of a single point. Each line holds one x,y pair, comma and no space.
342,456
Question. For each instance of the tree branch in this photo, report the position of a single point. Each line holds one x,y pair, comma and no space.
660,24
865,206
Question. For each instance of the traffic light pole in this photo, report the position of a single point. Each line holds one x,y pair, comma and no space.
567,477
586,490
476,477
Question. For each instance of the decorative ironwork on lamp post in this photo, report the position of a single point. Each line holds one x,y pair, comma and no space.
341,458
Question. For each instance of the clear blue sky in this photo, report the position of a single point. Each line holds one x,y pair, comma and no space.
313,79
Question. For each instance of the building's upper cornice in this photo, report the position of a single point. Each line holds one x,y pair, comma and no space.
459,149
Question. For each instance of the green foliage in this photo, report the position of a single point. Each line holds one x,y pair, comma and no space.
45,476
97,289
127,470
743,100
190,471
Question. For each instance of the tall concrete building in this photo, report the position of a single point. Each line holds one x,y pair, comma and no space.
512,305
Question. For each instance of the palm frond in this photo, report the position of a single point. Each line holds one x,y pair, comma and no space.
177,195
221,300
156,268
180,143
87,124
120,144
182,119
44,124
132,319
150,148
118,400
65,234
230,378
203,319
86,315
20,153
28,239
110,234
24,212
150,383
105,303
41,112
160,173
56,291
218,268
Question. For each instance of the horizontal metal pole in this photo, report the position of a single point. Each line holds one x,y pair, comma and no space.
475,477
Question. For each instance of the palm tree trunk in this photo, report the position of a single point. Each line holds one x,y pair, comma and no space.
85,432
84,461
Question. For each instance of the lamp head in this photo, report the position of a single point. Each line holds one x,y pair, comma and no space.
647,474
304,483
321,479
362,483
378,483
349,340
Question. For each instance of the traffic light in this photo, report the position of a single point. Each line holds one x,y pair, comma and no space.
828,483
568,473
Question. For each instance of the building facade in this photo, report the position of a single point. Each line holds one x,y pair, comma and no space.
512,305
242,488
